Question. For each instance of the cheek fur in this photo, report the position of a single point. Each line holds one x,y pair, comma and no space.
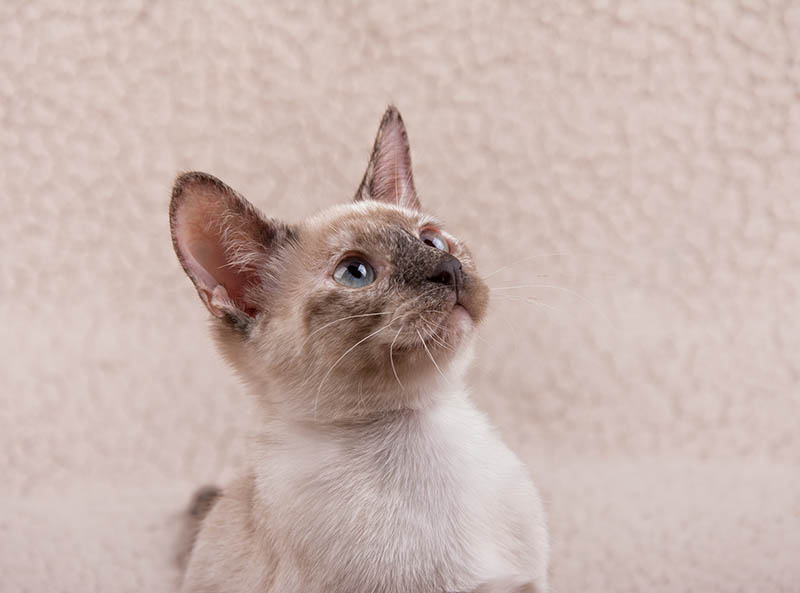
344,311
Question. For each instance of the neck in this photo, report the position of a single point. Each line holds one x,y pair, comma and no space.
357,408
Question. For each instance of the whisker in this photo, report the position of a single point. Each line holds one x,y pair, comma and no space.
440,326
574,293
420,296
525,286
511,328
583,276
391,358
424,345
539,256
434,334
429,322
592,305
319,329
531,301
440,340
346,352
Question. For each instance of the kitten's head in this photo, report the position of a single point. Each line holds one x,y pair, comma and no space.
358,310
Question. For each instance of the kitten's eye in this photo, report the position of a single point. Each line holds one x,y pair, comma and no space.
354,273
434,239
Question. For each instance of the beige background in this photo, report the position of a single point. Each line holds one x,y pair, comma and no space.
644,156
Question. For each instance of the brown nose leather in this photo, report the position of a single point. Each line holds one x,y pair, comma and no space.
447,272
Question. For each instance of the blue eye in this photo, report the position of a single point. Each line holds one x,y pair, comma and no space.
434,239
354,273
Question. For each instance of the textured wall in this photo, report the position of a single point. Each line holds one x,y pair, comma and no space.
640,162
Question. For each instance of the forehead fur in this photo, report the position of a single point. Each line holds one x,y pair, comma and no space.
370,227
373,214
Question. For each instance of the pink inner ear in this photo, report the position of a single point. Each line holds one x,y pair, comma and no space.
391,173
210,256
388,177
201,247
392,178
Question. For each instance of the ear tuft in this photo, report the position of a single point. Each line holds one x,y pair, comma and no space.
224,245
388,177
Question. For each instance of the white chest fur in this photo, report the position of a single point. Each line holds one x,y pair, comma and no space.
421,501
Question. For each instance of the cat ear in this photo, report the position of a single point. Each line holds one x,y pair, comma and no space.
388,177
224,245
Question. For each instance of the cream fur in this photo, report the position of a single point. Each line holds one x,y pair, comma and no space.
372,472
449,508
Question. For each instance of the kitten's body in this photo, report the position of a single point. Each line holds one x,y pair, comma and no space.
372,472
419,501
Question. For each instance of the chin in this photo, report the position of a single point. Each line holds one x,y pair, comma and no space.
458,326
461,320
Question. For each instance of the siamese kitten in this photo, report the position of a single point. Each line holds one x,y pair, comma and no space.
372,471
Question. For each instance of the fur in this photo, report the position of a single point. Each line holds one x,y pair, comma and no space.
372,471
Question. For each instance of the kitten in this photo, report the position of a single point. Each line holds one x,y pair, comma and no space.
372,471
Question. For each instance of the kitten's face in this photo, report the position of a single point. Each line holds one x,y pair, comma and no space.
398,266
367,305
358,310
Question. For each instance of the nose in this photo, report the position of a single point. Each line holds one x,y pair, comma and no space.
447,272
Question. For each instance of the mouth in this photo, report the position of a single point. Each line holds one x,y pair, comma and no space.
452,327
460,312
446,323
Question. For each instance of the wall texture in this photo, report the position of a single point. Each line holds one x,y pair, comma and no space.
637,162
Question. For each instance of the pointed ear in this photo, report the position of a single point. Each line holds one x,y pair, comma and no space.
388,177
224,245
